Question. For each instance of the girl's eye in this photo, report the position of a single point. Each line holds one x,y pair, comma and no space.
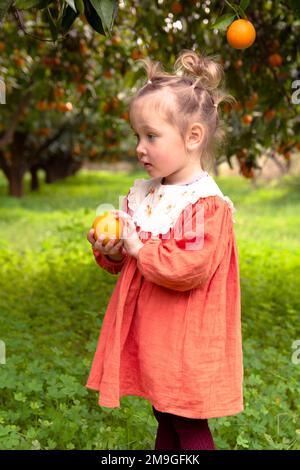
148,135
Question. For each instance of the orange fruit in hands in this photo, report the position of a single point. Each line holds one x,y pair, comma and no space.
107,225
241,34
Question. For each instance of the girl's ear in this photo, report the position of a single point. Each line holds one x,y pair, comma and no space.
195,135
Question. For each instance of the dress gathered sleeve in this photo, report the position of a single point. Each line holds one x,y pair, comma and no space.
111,266
184,263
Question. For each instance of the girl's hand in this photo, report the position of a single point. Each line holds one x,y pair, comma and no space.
112,248
130,237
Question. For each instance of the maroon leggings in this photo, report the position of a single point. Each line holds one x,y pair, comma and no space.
180,433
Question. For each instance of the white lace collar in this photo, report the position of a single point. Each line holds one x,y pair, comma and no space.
156,207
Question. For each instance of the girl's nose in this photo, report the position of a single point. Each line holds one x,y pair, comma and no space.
140,150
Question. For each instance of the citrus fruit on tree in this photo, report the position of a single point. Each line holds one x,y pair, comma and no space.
247,119
275,60
241,34
107,225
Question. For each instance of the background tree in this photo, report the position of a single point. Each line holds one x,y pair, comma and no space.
68,97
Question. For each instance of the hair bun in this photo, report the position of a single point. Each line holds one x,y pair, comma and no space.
208,72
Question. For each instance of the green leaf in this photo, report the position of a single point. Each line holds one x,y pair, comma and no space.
93,18
4,7
52,25
80,6
68,19
240,11
43,4
244,4
26,4
4,431
295,5
241,441
223,22
107,12
71,4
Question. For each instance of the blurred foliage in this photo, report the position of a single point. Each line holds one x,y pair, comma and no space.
85,79
59,15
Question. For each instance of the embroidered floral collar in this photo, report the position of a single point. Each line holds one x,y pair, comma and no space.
156,207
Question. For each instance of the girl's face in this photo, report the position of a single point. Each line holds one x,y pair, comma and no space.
158,143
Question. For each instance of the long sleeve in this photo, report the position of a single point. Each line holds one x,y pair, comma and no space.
113,267
182,263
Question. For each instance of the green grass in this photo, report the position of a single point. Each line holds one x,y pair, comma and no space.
54,296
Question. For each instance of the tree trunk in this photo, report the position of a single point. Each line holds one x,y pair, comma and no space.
17,167
34,178
4,165
60,166
51,176
16,186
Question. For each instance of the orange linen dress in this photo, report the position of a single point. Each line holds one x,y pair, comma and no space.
172,328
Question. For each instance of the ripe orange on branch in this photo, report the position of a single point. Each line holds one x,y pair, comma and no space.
108,225
81,87
44,131
108,73
59,92
275,60
250,104
238,64
136,54
269,114
19,61
125,116
41,105
116,40
241,34
247,119
176,8
65,107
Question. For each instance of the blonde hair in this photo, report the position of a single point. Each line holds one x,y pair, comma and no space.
195,86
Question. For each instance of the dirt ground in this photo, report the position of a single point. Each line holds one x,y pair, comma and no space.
270,170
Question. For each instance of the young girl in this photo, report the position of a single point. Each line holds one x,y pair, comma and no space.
172,328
